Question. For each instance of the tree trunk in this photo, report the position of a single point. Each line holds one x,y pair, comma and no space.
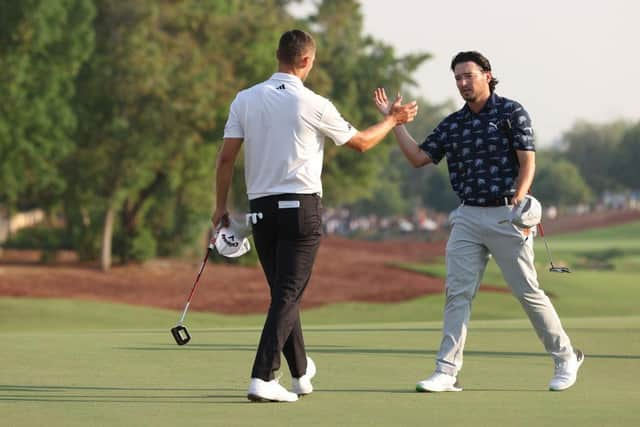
107,237
132,208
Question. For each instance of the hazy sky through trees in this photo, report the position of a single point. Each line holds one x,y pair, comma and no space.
564,60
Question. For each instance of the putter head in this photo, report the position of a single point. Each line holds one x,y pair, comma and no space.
556,269
180,334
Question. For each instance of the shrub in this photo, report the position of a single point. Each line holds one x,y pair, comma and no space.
40,238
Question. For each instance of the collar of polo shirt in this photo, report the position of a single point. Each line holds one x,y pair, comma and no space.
286,77
491,101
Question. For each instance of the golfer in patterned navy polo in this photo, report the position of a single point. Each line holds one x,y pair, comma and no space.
490,154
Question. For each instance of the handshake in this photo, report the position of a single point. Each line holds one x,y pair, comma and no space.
399,113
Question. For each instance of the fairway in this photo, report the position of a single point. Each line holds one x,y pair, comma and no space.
366,377
82,363
190,188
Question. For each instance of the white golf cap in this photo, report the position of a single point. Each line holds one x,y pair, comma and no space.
232,241
528,213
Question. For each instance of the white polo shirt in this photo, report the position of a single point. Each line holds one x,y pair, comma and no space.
283,125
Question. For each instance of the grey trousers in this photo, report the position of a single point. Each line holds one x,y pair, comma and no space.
475,234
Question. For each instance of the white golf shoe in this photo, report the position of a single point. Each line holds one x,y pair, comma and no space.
269,391
302,385
566,372
438,382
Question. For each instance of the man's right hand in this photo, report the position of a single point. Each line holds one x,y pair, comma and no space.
403,113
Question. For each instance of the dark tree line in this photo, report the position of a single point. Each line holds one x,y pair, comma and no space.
112,112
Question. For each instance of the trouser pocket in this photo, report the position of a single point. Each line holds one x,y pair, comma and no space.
293,215
299,216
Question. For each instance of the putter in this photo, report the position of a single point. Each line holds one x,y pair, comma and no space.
554,268
180,332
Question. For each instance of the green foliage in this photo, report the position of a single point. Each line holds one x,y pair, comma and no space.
39,238
559,183
155,96
141,246
438,193
399,188
151,102
386,200
349,66
592,148
428,186
628,158
118,105
42,46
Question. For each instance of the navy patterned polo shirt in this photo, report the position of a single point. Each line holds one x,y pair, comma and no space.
480,148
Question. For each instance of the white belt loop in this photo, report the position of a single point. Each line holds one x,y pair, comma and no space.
253,217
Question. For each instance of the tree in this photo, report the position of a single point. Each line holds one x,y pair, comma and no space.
628,158
386,198
349,66
42,46
559,183
428,186
145,100
592,148
437,193
155,97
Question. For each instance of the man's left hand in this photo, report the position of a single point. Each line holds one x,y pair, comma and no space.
220,218
517,198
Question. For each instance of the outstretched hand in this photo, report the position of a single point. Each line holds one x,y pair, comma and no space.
401,113
381,101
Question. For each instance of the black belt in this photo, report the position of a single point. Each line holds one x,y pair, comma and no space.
503,201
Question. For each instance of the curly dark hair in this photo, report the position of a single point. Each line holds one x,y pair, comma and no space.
478,58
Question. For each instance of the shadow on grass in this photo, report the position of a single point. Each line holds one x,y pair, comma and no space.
412,391
313,329
335,349
95,394
603,259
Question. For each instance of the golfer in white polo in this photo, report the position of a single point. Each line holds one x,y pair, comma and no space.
282,126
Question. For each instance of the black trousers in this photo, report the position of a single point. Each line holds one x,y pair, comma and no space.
287,240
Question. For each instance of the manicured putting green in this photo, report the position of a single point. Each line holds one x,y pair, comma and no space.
367,374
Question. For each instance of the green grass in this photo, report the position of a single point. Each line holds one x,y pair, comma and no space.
81,363
366,377
590,288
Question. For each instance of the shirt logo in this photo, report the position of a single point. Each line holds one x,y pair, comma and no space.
281,87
